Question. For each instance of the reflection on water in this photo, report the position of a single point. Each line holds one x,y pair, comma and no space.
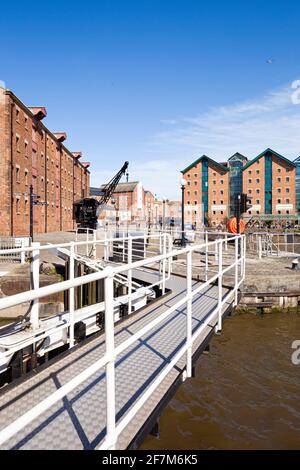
246,394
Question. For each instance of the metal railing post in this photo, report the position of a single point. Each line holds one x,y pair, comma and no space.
189,342
110,366
170,257
206,256
145,245
241,255
259,247
236,278
23,252
87,240
244,257
35,269
216,250
160,252
164,263
105,248
129,261
123,247
94,252
71,296
220,285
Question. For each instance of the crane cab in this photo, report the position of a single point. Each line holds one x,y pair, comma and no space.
85,213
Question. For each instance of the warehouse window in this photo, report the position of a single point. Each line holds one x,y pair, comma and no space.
26,148
18,205
17,174
18,143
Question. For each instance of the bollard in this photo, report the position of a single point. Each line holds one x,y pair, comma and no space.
295,264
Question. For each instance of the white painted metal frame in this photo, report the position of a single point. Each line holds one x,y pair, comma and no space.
113,428
40,329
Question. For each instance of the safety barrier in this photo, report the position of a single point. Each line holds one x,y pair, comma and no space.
235,267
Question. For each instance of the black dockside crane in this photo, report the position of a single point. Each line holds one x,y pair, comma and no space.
87,210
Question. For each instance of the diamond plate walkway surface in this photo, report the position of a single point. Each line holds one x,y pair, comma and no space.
78,421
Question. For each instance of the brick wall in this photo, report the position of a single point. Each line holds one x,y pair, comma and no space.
5,166
31,154
254,185
218,194
283,187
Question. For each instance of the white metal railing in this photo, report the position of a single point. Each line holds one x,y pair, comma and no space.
235,268
274,243
7,243
126,248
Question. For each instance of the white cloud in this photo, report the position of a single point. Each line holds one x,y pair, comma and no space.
248,127
169,121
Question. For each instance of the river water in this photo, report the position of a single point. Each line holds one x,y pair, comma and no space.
246,394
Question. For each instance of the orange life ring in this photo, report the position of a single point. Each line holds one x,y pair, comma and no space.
232,225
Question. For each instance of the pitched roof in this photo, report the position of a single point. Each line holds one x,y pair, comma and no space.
269,151
121,188
237,154
219,165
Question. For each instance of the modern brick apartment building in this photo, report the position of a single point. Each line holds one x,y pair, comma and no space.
269,179
32,154
206,192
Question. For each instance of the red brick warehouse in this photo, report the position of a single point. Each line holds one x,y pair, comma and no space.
32,154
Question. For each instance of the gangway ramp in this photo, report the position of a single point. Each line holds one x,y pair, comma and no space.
78,421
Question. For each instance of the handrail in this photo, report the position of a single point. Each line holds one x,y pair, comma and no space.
113,429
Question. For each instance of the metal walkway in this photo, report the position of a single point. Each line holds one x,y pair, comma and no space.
78,421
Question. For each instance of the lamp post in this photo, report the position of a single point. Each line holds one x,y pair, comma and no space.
183,184
164,214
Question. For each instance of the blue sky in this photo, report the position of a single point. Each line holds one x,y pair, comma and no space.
157,83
